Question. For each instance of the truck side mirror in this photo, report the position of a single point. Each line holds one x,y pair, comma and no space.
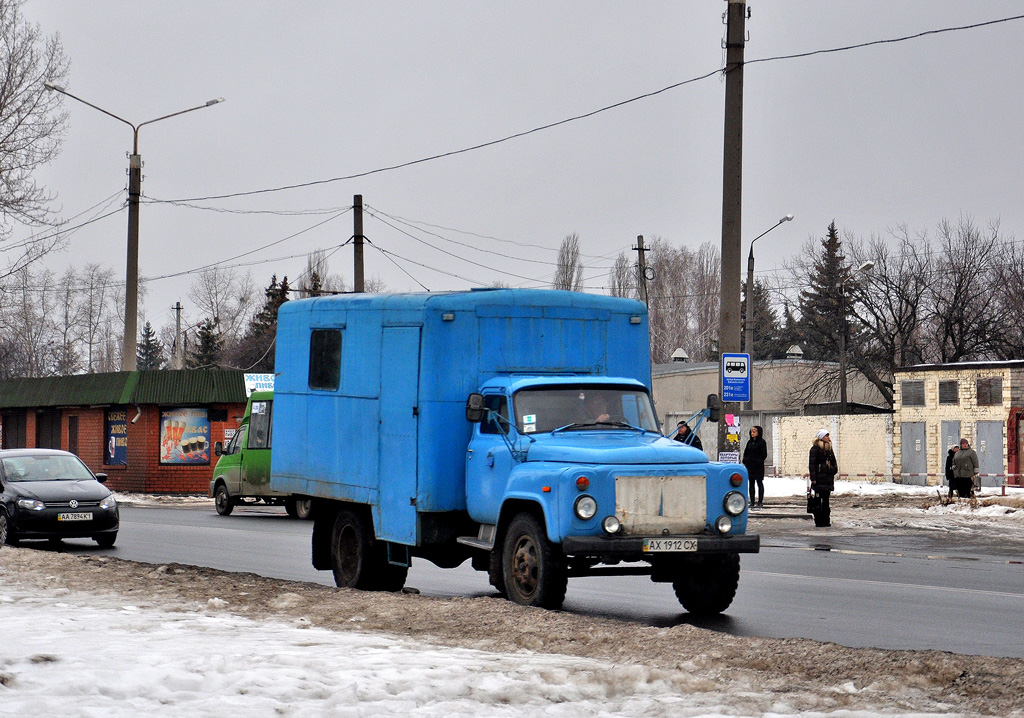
475,410
218,449
714,407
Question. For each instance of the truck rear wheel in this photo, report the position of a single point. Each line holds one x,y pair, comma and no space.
533,567
707,585
359,561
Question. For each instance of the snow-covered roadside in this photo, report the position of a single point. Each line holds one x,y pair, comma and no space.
91,635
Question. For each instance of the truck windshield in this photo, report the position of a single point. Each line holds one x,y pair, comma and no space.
582,407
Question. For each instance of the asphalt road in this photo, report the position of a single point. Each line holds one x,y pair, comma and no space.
892,598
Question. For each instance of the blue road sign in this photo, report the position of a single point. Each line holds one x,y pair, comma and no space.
735,377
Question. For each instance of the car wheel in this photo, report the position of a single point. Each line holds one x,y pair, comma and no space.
222,500
54,542
105,540
6,535
534,568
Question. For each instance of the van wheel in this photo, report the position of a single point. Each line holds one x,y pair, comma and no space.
533,567
222,500
707,586
304,509
359,561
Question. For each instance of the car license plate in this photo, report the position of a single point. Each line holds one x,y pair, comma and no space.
669,544
75,517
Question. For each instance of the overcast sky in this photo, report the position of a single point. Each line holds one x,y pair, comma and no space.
901,133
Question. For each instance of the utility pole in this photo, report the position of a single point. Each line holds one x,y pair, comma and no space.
131,288
641,264
176,354
357,219
732,195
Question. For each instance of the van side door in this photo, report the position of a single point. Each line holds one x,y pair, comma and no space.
255,462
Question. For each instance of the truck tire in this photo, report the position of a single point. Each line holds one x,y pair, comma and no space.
707,585
358,560
533,567
223,501
495,572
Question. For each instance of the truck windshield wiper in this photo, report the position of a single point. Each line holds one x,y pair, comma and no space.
588,424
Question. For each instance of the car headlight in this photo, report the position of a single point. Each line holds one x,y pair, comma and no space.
108,503
734,503
31,504
585,507
723,524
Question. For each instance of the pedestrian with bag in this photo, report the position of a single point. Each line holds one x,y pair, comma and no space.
822,468
965,468
754,455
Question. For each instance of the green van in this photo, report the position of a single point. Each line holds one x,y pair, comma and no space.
242,474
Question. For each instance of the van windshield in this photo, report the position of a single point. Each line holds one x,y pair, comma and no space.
582,407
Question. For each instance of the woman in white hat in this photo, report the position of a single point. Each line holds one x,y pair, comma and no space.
823,470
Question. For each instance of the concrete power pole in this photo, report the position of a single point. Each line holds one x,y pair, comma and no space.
732,196
357,219
177,353
641,263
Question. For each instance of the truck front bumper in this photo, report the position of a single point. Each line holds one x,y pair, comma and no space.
632,547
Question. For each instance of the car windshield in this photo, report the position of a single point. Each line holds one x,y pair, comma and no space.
582,407
45,468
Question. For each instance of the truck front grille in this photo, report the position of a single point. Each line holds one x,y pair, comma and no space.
654,504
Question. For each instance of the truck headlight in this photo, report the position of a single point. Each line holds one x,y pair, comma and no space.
611,524
734,503
723,524
585,507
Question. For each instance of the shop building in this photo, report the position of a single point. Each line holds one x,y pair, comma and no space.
149,431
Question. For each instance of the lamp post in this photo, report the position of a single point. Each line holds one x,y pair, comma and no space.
131,289
862,269
749,314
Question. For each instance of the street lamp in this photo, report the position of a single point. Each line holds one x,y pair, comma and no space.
749,318
862,269
131,289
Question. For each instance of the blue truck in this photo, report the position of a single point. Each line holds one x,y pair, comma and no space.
512,428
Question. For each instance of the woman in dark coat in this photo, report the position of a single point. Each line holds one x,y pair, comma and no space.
823,469
950,477
754,455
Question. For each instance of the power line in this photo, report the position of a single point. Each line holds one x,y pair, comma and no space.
592,113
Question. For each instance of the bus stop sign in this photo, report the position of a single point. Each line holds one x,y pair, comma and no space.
735,377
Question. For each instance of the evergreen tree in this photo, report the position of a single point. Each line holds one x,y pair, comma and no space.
205,354
767,332
256,349
150,354
827,297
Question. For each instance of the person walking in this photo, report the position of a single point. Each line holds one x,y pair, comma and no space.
754,455
965,468
823,469
950,477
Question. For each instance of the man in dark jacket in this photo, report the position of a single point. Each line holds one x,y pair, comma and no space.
754,455
950,477
686,436
823,469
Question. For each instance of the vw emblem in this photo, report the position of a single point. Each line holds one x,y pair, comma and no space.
73,504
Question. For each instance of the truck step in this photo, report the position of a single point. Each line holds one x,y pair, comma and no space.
474,542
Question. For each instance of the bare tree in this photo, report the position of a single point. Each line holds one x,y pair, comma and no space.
1009,302
569,270
317,279
622,278
67,320
226,297
32,120
97,297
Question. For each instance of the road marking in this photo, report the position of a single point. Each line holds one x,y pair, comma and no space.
832,579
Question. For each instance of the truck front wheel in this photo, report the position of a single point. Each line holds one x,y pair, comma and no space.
533,567
358,561
222,500
706,586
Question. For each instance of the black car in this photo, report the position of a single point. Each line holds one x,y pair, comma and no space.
49,494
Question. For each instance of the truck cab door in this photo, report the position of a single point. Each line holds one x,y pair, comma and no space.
488,462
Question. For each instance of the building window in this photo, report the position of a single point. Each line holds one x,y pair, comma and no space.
990,391
949,392
325,359
912,392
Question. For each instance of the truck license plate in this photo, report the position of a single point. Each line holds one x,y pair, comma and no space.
669,544
75,517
